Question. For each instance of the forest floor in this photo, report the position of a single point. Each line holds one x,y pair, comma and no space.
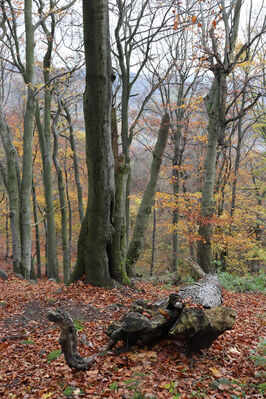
28,341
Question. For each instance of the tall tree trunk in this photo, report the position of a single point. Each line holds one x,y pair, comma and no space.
213,103
26,182
75,162
37,232
63,204
69,214
13,191
153,249
148,197
118,247
48,181
176,183
45,146
7,231
97,227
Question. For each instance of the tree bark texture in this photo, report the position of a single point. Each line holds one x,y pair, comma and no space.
13,191
153,249
148,197
37,232
75,162
97,227
48,181
213,104
62,202
118,247
25,192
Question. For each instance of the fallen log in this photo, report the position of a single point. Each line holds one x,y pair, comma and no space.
194,312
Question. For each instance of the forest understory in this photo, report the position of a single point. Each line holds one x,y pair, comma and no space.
31,365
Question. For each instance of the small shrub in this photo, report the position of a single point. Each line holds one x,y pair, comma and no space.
249,282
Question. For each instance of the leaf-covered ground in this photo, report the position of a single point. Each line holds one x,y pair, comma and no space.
28,341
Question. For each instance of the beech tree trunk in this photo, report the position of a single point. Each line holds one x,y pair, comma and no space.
97,227
13,191
62,201
213,104
25,191
118,247
75,162
37,232
148,197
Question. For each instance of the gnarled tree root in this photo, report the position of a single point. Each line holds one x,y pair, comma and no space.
68,340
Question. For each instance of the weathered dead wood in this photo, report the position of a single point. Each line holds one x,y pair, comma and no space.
206,292
194,312
195,267
68,340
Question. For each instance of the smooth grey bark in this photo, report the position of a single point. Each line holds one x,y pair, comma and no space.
62,201
69,214
153,249
37,231
75,161
148,197
118,247
13,191
7,230
215,103
176,162
97,227
47,167
45,146
26,181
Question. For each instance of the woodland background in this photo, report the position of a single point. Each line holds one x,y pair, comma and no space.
188,158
